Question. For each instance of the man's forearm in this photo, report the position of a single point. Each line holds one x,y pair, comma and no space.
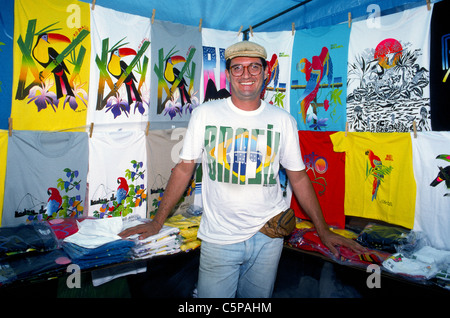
179,180
306,196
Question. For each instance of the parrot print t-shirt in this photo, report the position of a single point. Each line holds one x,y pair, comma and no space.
278,45
117,174
51,64
319,78
45,177
379,178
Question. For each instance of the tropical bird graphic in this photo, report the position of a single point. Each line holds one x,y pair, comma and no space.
122,190
320,66
443,175
274,71
376,169
171,74
116,67
45,54
54,202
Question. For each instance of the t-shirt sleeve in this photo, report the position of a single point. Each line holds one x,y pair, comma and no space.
339,141
291,155
192,144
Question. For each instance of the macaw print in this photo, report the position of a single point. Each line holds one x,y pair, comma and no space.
131,192
376,169
64,200
322,89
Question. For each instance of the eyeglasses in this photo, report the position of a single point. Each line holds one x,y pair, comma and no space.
253,68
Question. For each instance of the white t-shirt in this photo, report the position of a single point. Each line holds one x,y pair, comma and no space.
241,153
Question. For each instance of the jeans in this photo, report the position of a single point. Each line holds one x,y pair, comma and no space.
245,270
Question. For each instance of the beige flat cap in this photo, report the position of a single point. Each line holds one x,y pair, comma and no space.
245,48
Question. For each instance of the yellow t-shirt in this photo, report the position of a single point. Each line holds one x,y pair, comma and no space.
379,176
3,156
51,64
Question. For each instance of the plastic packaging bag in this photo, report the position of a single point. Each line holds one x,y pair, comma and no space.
34,237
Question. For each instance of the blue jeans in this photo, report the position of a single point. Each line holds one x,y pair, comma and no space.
245,270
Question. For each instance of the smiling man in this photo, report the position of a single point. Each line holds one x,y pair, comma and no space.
241,142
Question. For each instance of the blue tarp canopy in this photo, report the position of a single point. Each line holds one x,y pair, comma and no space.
260,15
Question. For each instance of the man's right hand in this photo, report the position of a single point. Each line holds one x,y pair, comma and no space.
144,230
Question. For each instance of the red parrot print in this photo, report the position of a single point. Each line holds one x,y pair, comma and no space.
274,71
375,163
122,190
314,72
54,202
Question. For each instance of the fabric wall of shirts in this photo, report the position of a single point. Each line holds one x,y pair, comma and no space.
120,75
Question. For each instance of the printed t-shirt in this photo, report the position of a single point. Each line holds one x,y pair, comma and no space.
278,46
176,55
214,83
163,148
3,156
388,73
119,40
6,65
117,174
47,95
319,78
431,160
379,178
241,153
326,169
45,176
440,67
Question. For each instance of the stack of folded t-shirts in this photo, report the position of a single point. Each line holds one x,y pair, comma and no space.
163,243
28,252
424,263
188,227
97,243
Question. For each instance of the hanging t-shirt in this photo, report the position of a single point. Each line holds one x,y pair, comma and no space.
278,46
319,78
120,45
176,54
440,66
164,146
214,83
117,177
3,152
326,169
388,73
6,66
51,64
379,178
45,176
241,154
431,160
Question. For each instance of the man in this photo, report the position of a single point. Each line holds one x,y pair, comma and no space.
242,141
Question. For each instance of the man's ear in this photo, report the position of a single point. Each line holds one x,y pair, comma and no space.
227,74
